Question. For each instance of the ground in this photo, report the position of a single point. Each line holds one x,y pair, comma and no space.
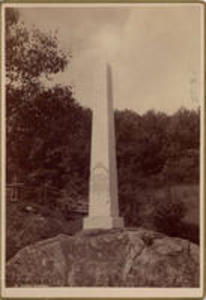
29,222
26,227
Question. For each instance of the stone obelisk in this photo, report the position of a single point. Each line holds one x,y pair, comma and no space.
103,196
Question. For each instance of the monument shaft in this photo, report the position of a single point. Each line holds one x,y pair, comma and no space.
103,196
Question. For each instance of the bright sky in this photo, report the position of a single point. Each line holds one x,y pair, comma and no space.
154,52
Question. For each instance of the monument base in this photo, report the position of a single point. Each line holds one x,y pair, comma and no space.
103,222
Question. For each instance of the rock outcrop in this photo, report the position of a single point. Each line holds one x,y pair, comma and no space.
121,258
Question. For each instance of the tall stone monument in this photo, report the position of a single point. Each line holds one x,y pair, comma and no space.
103,196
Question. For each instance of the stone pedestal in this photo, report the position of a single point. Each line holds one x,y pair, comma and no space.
103,196
105,222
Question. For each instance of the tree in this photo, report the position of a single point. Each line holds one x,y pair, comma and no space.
48,132
30,55
182,147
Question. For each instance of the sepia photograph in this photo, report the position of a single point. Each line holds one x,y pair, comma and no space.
102,150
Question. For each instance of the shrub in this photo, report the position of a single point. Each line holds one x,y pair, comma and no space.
168,214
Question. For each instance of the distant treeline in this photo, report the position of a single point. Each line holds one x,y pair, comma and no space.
157,149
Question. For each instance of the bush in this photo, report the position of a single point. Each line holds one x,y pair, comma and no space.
168,214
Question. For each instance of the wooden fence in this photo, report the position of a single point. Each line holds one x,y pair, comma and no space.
17,191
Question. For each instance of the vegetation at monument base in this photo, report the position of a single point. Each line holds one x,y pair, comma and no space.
48,143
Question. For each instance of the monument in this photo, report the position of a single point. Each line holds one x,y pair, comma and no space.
103,195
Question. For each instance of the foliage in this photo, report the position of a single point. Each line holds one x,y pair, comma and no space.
155,151
47,128
168,213
30,55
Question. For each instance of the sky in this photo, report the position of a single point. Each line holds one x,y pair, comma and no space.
154,52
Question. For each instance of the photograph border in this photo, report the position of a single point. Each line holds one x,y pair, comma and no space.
41,293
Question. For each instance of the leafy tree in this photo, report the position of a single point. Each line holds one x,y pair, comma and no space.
155,138
30,55
182,148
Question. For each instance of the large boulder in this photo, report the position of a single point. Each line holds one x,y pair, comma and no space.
124,258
